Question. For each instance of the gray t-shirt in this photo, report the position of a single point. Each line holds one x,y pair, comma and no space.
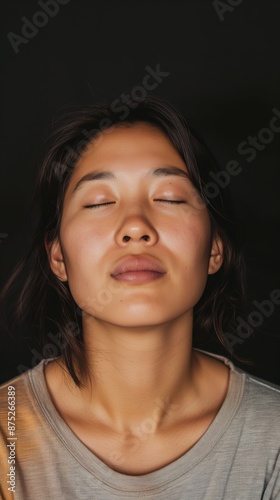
236,459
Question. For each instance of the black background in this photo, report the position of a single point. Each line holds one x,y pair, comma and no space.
223,65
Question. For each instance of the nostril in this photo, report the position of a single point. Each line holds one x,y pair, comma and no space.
145,237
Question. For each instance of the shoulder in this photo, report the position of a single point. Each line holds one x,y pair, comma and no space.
20,380
258,388
17,393
262,395
258,415
256,398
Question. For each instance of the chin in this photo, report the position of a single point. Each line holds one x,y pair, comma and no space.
139,316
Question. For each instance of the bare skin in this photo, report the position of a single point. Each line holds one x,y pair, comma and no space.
168,431
149,396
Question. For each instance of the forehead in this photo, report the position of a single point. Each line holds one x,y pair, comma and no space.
140,144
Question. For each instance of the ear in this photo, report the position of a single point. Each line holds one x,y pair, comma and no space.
216,256
56,259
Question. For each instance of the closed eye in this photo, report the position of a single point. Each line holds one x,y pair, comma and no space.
170,201
97,205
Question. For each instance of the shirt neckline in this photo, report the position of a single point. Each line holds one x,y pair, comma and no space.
151,481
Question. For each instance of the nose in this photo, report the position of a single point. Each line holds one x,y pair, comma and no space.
135,230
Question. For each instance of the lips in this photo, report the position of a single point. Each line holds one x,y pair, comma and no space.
138,269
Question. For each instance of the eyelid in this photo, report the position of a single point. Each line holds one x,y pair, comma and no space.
96,205
170,201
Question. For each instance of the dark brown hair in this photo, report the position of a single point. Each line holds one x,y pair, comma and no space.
221,301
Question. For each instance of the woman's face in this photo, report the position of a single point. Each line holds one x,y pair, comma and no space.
135,240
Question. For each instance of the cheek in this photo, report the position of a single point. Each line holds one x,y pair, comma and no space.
83,244
193,254
82,248
190,238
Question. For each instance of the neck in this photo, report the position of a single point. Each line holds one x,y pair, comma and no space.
138,373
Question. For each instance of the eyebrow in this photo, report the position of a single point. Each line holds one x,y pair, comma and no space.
95,176
108,175
169,171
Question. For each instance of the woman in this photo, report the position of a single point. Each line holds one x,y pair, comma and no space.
141,260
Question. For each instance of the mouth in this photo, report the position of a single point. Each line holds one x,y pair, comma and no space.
138,269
